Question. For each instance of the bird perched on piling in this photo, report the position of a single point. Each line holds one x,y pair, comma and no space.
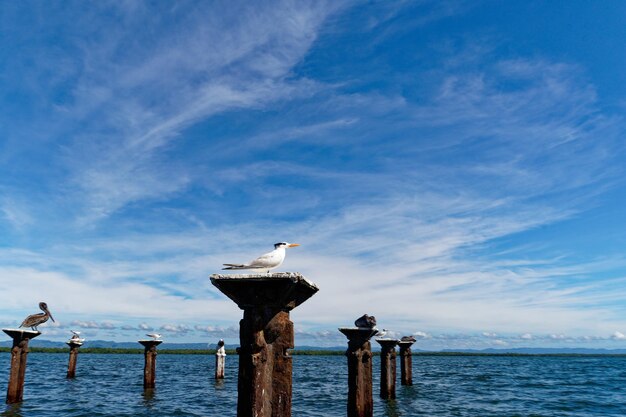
268,261
76,337
365,321
408,339
154,336
381,333
221,350
35,320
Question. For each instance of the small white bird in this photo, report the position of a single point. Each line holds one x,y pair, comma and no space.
268,261
381,333
76,337
154,336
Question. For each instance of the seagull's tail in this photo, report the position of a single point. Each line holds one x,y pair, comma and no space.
234,266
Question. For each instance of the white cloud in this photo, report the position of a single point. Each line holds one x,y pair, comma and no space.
175,328
618,335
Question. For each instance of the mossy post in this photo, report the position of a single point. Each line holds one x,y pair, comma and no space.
265,335
149,369
387,368
19,356
406,362
71,365
359,353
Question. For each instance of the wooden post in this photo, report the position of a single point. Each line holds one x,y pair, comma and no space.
266,334
388,368
406,363
220,362
149,369
19,355
359,353
71,365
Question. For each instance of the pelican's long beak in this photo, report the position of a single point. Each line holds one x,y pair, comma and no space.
51,318
293,245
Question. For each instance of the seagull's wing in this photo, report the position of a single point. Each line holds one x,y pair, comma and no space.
268,260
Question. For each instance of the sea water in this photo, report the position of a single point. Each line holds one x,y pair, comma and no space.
481,386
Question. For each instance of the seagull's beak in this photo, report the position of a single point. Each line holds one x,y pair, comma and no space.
293,245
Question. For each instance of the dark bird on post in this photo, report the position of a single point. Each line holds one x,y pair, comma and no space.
35,320
365,321
408,339
220,343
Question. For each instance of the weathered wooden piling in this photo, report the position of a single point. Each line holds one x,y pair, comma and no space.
266,335
71,365
359,353
220,360
387,368
406,361
149,369
19,356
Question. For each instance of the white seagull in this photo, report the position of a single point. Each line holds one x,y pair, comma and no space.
154,336
268,261
381,333
76,337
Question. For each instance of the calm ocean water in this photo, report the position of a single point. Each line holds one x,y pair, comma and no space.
111,385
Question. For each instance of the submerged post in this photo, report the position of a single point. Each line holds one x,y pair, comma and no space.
265,335
149,369
359,353
388,368
406,361
71,365
19,355
220,360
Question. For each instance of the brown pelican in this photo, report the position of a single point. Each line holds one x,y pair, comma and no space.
268,261
35,320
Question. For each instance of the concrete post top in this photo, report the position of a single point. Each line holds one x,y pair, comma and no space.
283,290
361,334
21,334
388,343
405,344
74,344
150,343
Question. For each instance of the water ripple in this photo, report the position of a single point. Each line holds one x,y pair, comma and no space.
463,386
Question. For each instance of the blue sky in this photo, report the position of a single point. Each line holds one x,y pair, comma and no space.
453,168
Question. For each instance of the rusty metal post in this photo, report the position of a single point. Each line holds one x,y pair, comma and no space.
19,355
388,368
220,362
149,369
71,365
406,363
359,353
266,334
